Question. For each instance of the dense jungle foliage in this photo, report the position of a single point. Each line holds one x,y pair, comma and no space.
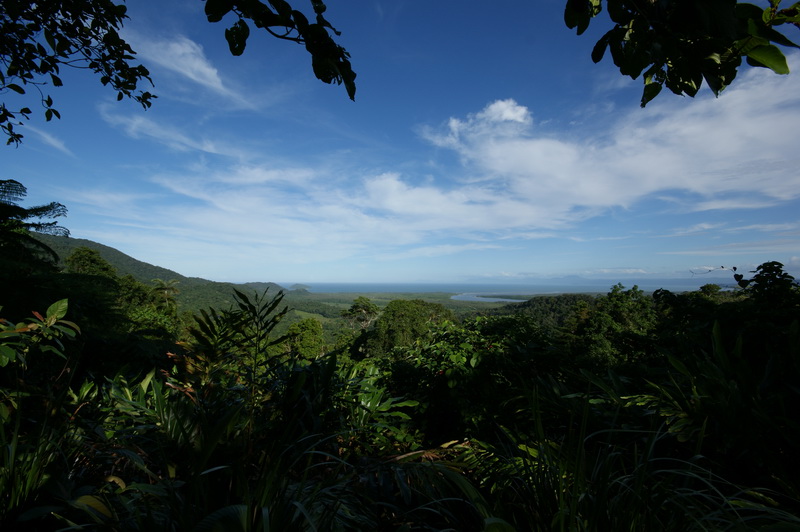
627,411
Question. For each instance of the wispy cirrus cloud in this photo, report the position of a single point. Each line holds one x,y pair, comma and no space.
138,127
695,229
50,140
780,227
437,251
767,247
186,58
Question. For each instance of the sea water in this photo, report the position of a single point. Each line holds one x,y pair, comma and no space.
480,291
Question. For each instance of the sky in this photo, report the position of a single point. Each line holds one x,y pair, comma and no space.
483,146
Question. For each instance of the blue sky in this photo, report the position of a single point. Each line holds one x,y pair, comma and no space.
484,145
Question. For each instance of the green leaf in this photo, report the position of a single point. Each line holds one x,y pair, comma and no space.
495,524
790,15
234,517
651,90
778,38
16,88
769,56
90,501
146,380
58,309
7,355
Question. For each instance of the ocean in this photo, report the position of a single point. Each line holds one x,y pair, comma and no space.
477,292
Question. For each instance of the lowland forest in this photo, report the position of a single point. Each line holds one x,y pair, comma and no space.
133,398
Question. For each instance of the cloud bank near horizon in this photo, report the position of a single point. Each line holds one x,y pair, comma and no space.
516,181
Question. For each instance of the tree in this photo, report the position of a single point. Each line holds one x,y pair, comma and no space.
680,43
363,312
401,323
38,38
19,250
87,261
616,330
165,292
306,339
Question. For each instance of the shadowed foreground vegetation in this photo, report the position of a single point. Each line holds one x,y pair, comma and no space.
627,411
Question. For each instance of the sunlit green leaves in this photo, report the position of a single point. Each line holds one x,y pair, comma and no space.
57,310
769,56
36,335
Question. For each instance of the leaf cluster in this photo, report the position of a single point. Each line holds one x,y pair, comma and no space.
22,253
678,44
329,61
38,38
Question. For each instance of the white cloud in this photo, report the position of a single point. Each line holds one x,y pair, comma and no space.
619,271
505,111
515,182
186,58
437,251
695,229
766,248
50,140
736,151
780,227
138,126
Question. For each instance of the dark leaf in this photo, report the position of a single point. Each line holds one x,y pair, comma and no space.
48,36
578,14
237,36
216,9
599,49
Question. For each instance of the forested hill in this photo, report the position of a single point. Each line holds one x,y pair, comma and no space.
194,292
547,310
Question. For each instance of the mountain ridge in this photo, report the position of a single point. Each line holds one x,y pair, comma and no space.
194,292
